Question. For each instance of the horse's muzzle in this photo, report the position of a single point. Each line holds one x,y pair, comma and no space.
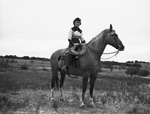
121,47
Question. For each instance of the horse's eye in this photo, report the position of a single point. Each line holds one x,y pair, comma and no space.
112,33
115,35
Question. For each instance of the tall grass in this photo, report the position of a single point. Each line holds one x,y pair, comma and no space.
26,80
30,88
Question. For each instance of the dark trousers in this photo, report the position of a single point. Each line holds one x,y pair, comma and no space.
70,58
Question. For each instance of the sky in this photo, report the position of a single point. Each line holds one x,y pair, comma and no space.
37,28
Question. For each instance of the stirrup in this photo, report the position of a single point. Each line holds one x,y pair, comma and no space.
64,68
76,57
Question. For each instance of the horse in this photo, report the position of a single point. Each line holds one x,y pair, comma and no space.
88,63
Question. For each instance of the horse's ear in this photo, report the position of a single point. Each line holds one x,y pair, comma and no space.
111,27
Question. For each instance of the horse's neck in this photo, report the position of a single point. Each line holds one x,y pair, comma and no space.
98,44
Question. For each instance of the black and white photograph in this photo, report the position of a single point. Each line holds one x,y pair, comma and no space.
74,57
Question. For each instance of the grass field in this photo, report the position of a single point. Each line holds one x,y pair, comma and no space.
27,92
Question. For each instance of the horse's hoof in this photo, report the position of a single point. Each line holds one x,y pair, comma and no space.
52,99
61,99
92,106
82,106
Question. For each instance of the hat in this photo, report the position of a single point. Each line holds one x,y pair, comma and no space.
76,19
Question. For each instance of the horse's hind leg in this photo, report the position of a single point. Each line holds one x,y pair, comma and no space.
54,81
63,75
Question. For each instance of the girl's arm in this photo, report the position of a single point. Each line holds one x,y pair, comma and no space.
82,39
70,34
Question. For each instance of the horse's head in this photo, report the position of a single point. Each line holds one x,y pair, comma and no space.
113,39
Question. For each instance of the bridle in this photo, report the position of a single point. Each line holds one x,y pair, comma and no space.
114,52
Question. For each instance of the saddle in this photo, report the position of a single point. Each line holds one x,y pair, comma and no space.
76,50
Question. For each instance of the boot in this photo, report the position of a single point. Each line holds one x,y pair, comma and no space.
65,68
77,62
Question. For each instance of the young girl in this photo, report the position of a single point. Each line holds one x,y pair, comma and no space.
74,38
75,34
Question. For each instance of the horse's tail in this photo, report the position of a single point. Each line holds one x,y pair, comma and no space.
54,69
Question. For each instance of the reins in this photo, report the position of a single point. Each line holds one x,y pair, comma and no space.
114,52
111,52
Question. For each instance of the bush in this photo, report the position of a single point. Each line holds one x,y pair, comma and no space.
13,61
4,63
44,69
26,57
132,71
143,73
31,61
24,67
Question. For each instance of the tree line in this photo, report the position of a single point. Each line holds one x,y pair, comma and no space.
48,59
24,57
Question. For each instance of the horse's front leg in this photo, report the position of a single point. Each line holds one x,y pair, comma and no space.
63,75
52,94
84,87
92,81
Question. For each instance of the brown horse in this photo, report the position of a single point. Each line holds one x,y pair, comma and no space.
88,63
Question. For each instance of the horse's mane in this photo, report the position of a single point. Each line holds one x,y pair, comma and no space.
103,33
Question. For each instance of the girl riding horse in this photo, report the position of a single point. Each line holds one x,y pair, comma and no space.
88,63
74,38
